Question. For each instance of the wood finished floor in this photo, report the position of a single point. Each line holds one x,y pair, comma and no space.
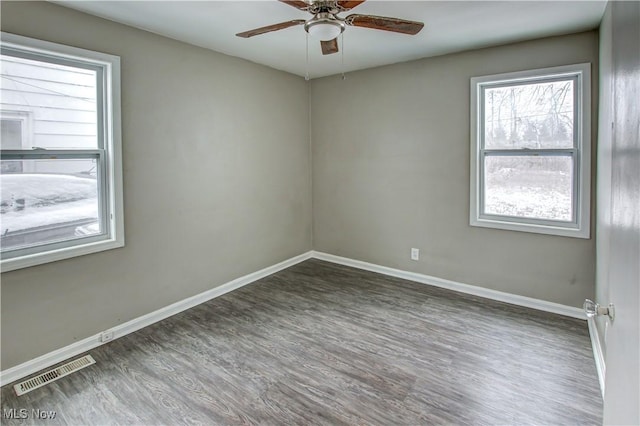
321,343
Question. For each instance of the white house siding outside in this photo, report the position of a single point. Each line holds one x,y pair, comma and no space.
44,105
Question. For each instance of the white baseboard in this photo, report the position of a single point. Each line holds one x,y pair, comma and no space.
513,299
47,360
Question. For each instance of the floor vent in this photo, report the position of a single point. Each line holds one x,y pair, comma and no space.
53,375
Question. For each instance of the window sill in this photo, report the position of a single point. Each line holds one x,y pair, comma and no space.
60,254
530,227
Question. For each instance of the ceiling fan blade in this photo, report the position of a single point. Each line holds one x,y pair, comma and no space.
269,28
329,46
298,4
349,4
384,23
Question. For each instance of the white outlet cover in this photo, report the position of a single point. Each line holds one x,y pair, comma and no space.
106,336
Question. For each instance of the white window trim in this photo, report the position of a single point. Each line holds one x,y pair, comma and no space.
112,144
579,229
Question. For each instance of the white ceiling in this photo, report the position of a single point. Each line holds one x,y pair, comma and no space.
450,26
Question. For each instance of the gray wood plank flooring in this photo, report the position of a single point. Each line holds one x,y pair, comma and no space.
320,343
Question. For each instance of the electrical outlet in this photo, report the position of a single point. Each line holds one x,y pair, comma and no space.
415,254
106,336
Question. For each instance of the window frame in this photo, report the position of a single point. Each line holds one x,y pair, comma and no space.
579,226
108,152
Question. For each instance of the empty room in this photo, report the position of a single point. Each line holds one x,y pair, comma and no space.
320,212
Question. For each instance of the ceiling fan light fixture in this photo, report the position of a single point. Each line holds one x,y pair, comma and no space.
324,29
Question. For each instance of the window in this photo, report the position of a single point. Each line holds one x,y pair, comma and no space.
530,151
16,129
60,165
15,134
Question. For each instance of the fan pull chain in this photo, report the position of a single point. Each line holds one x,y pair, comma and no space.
342,55
306,75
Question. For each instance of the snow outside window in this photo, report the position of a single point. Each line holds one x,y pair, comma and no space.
60,166
530,145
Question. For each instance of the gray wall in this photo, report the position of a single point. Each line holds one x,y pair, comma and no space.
390,149
216,178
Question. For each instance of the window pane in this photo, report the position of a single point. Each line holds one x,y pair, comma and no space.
61,101
538,187
529,115
48,201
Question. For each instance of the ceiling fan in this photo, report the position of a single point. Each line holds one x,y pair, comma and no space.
326,25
